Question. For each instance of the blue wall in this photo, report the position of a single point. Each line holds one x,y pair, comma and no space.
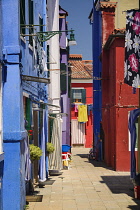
18,59
14,170
96,80
1,155
1,184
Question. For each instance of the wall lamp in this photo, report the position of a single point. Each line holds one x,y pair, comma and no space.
45,36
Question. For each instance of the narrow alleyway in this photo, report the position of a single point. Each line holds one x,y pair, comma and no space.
87,186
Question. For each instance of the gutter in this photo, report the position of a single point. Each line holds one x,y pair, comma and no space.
111,39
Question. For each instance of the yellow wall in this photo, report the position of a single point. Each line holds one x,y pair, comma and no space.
123,5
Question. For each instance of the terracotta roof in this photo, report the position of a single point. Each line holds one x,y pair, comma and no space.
75,56
80,69
108,4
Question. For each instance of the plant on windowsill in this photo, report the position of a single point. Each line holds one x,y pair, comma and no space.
35,152
50,148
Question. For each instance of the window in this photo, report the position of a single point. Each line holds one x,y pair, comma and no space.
41,27
22,16
78,95
31,20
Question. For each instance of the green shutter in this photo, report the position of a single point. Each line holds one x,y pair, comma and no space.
83,96
63,81
22,16
51,125
28,113
72,91
48,59
41,26
31,20
69,86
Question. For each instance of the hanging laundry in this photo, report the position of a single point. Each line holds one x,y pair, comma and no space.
27,160
82,113
89,108
132,49
76,108
42,163
132,128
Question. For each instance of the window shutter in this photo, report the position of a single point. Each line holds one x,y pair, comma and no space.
31,20
72,91
41,27
83,96
69,86
63,81
28,113
22,16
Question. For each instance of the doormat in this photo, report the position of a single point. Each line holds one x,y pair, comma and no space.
34,198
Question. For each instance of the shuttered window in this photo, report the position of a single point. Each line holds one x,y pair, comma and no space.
22,16
78,96
41,27
63,80
31,20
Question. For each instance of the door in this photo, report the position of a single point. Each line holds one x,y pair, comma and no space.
77,133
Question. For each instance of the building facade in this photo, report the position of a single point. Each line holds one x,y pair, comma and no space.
115,102
24,94
81,97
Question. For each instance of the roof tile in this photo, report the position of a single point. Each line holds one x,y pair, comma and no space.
80,69
107,4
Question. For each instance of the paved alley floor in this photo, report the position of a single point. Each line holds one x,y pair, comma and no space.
85,186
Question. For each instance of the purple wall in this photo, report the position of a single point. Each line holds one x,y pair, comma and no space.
64,59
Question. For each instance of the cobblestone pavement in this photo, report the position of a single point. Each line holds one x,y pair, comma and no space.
85,186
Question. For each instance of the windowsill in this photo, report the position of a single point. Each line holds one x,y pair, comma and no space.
1,156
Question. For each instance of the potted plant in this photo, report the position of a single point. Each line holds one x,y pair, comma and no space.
35,152
50,148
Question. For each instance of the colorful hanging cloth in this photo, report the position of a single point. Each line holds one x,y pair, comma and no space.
42,162
89,108
82,113
76,108
132,49
132,128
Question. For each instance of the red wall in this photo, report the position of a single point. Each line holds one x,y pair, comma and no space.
117,101
108,20
89,124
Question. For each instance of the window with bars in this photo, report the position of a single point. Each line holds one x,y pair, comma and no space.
78,96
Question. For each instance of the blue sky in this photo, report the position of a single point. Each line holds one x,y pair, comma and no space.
78,12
